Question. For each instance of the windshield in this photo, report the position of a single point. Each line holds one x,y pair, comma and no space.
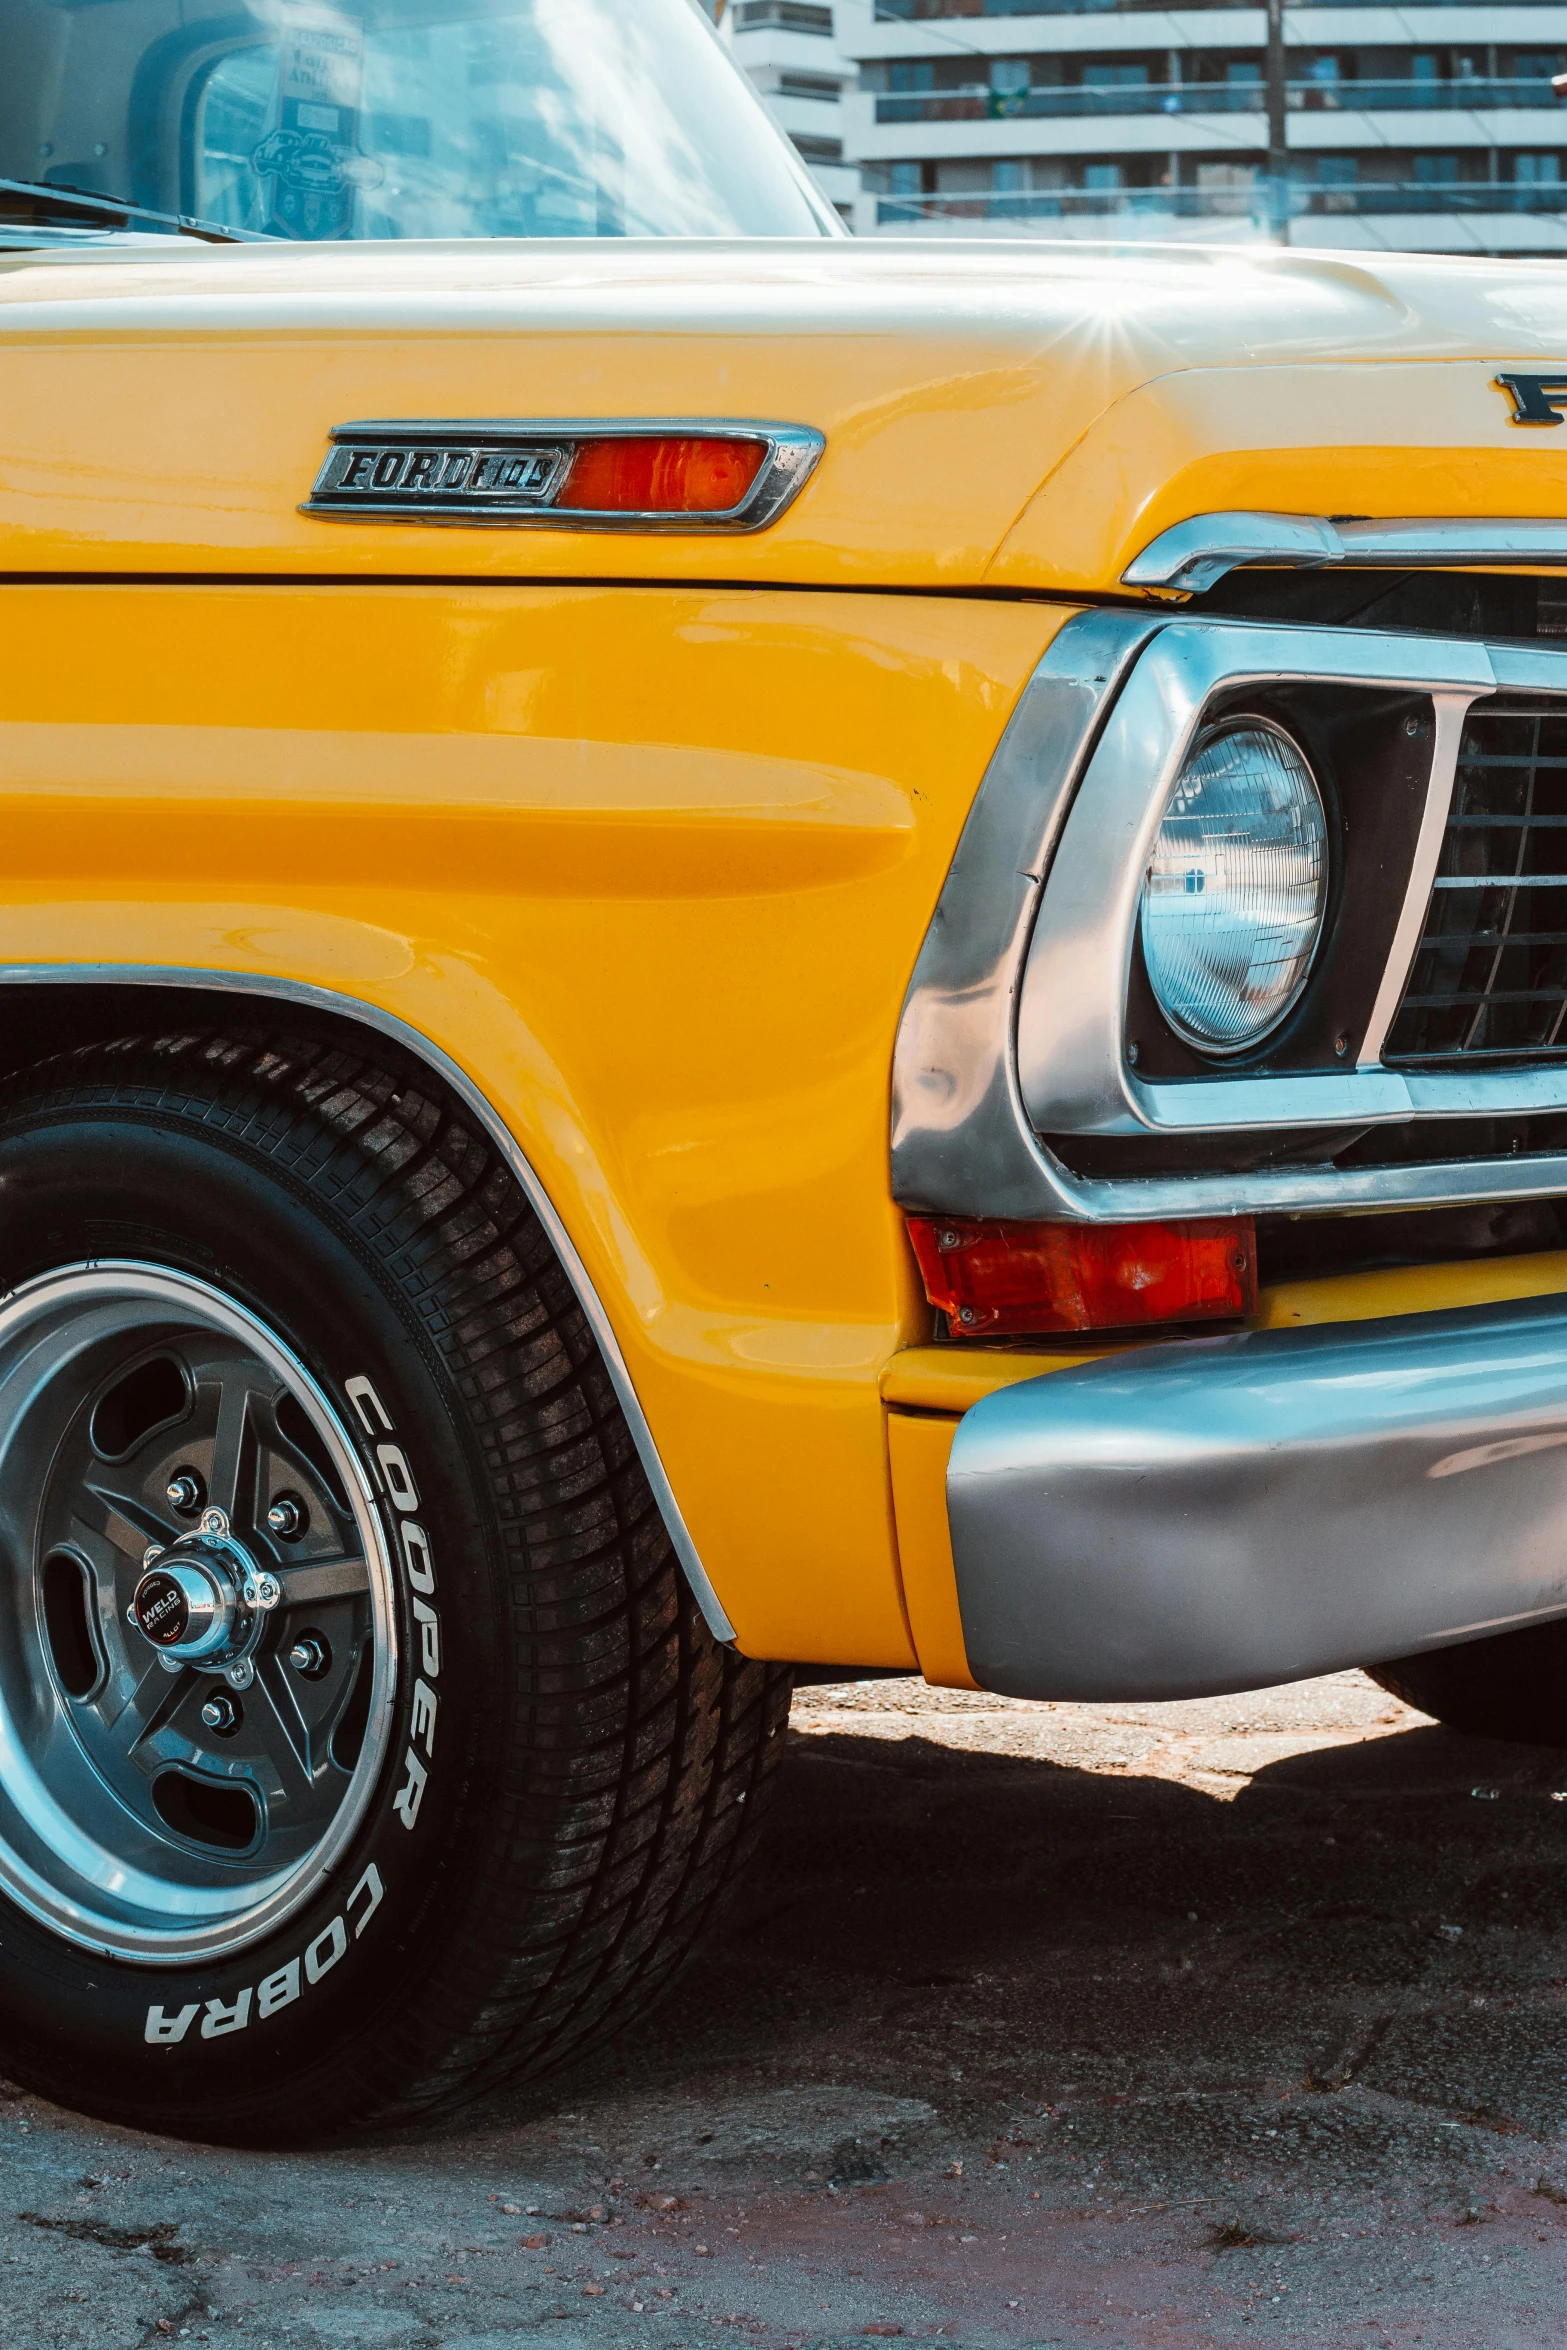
325,119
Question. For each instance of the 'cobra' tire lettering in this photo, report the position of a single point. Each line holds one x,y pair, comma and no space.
460,1804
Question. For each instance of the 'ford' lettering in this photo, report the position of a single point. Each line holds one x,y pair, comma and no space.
422,475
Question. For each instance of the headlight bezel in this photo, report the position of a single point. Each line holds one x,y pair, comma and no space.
1378,721
1220,726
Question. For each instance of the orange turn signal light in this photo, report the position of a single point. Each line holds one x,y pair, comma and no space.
661,476
995,1279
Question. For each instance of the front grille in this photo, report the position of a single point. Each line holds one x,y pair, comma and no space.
1489,981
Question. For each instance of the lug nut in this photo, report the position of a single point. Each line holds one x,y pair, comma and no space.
186,1492
287,1518
310,1655
221,1714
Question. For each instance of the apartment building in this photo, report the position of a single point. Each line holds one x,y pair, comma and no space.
1425,127
790,50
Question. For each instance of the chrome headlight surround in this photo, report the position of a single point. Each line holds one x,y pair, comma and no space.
1074,1071
1235,892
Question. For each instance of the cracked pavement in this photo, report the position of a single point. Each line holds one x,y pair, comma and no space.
1179,2025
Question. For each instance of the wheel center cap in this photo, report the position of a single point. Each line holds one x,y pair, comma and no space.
203,1600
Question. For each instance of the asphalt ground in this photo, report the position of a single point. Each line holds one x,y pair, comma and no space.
1240,2021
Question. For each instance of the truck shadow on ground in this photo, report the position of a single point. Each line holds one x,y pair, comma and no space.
1358,1960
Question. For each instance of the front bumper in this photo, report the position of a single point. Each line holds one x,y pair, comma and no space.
1220,1514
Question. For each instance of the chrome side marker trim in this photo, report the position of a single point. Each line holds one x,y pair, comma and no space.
1190,557
511,473
1221,1514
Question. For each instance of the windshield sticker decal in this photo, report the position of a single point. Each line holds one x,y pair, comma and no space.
309,157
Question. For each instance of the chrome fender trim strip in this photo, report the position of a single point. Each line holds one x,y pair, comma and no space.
399,1032
1219,1514
1192,556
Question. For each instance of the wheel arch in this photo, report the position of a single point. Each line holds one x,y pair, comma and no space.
53,1008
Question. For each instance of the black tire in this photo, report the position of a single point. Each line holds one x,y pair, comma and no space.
1513,1686
596,1775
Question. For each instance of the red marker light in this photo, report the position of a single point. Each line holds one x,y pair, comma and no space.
998,1280
657,476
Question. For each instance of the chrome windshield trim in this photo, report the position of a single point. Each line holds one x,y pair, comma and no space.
387,1024
792,454
1192,556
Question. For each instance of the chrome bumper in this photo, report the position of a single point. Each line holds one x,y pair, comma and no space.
1224,1513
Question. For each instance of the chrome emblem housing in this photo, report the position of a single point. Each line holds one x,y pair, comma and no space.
510,472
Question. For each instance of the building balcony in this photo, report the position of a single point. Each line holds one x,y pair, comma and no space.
1100,26
907,12
1239,97
1256,210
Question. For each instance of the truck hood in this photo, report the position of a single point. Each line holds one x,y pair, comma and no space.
1004,415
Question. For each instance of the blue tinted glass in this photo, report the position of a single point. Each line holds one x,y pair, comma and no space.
325,119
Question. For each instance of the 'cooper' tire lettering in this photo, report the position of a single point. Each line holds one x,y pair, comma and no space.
419,1566
423,1723
399,1477
429,1637
359,1393
415,1539
411,1795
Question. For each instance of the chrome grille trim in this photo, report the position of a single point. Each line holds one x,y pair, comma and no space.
963,1138
1489,979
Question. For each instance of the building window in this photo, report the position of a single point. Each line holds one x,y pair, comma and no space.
794,16
895,179
816,150
1537,171
809,85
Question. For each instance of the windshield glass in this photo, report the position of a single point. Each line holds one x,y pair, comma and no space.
325,119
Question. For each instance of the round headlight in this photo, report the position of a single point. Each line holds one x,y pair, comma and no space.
1236,886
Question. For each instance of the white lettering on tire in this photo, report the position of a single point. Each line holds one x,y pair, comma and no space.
325,1951
399,1477
423,1723
279,1990
221,2019
164,2031
419,1566
370,1884
409,1797
283,1986
421,1572
429,1624
360,1392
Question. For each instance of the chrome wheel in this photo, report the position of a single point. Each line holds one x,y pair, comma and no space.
197,1645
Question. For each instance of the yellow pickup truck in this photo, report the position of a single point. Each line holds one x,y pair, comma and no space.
722,954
